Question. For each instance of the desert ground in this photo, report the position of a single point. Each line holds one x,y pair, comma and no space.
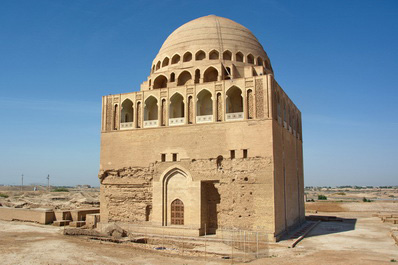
358,236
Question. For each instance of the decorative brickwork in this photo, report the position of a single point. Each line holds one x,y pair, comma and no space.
260,99
164,112
109,114
219,107
250,104
190,110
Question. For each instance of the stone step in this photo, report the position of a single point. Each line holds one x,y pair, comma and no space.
77,223
61,223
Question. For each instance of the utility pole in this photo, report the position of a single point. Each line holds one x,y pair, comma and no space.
22,183
48,182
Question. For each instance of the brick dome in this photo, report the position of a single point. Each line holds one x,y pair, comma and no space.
209,38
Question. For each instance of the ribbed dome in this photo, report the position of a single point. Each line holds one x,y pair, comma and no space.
208,33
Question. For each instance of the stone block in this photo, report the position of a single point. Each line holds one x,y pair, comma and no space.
77,223
92,220
61,222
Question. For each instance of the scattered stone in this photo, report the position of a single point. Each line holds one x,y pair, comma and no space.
115,231
82,232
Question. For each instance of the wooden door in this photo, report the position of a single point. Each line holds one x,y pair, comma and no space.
177,212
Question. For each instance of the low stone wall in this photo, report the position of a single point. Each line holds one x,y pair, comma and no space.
42,216
92,220
80,214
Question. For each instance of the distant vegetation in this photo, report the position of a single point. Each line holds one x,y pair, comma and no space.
2,195
60,190
366,200
322,197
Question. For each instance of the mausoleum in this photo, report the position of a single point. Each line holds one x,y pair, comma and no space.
210,141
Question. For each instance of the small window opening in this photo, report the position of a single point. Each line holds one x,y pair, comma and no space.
148,211
244,153
187,57
219,162
174,157
163,156
239,57
232,154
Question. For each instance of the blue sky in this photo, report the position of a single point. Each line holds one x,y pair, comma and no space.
337,60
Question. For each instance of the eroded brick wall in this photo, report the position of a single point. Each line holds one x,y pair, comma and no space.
236,193
126,193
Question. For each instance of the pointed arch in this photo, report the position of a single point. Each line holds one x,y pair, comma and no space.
175,59
214,55
176,106
151,109
197,76
175,169
260,61
160,82
184,78
204,105
187,57
250,58
165,62
200,55
234,100
171,178
172,77
158,66
210,75
239,57
227,55
127,114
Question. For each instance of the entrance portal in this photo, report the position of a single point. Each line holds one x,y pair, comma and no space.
210,200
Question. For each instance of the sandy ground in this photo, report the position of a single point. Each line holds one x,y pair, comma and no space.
360,239
351,194
26,243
